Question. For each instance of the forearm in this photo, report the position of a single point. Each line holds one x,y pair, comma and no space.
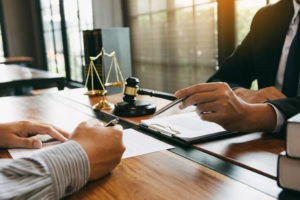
51,174
261,117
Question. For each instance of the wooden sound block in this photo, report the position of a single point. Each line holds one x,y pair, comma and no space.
135,109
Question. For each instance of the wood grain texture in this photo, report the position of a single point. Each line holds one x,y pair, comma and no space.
164,176
17,76
256,151
17,60
41,109
4,153
160,175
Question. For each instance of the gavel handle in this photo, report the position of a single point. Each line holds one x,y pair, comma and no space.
154,93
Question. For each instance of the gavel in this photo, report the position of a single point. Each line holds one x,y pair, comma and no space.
131,107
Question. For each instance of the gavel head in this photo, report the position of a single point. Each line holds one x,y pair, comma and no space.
131,89
131,107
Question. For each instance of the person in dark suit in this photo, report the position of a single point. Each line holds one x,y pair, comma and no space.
270,53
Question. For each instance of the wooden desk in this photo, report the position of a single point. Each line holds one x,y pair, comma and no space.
23,60
159,175
18,76
255,151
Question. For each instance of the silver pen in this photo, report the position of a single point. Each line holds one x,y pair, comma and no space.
166,107
112,122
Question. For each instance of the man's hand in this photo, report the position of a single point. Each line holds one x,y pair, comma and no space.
15,134
103,146
216,102
259,96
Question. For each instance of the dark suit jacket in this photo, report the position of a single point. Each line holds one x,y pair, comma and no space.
259,54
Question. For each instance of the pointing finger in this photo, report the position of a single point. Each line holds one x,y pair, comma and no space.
197,98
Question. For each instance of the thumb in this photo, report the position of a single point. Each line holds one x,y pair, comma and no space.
30,143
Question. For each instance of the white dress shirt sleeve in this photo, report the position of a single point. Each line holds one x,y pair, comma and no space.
280,119
50,174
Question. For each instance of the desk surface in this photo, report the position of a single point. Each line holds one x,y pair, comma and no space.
159,175
17,60
255,151
16,75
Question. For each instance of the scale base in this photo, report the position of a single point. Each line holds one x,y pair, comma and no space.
138,108
103,105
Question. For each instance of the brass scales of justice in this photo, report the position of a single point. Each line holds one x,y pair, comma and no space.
103,104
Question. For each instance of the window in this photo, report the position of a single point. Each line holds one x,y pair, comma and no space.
52,35
79,17
173,42
63,22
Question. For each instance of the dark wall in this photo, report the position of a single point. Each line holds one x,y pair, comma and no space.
22,29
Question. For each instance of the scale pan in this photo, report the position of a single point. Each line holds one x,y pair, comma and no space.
114,84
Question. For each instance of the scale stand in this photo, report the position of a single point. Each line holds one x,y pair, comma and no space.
104,104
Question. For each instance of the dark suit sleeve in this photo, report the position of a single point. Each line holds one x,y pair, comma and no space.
238,69
288,106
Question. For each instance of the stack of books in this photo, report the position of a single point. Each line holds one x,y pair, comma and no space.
288,172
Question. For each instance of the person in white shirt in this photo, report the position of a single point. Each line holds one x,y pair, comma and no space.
91,152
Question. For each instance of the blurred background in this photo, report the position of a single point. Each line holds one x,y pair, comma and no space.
174,43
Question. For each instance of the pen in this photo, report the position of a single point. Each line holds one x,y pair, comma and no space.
170,105
112,122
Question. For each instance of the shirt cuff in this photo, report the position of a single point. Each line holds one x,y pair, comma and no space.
280,118
69,167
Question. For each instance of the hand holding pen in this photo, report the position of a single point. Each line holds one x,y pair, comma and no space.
103,146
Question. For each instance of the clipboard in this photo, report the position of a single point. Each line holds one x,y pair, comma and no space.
168,138
185,129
